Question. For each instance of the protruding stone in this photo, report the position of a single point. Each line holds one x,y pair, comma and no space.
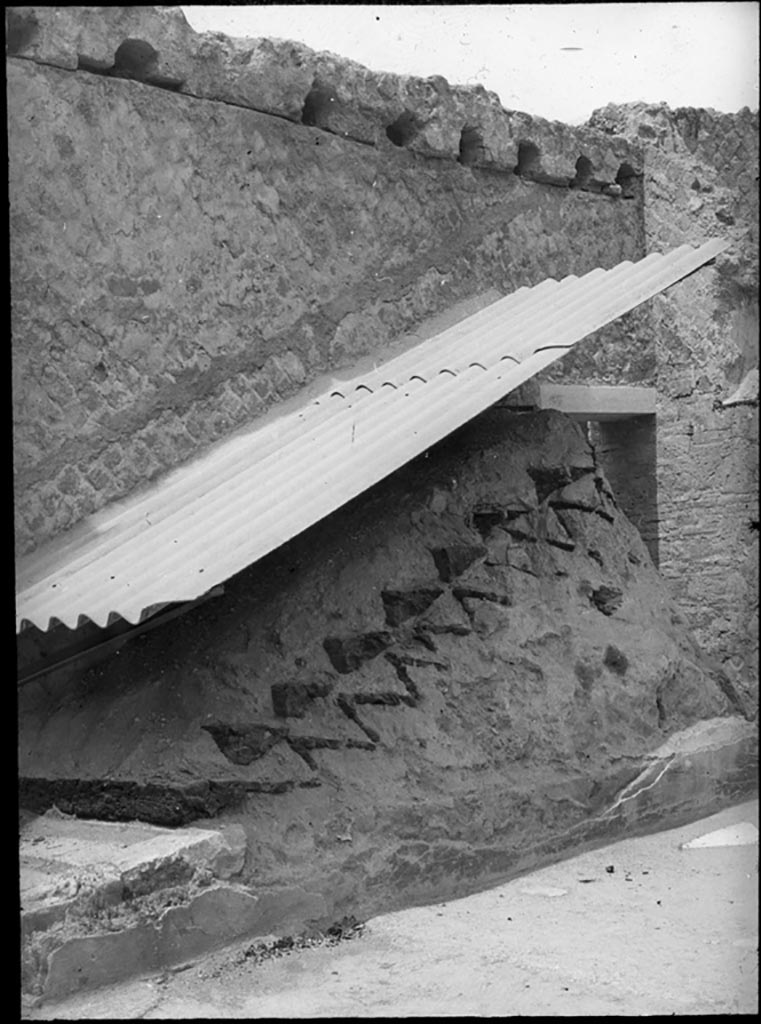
553,531
582,494
243,744
607,599
401,605
499,544
446,615
483,592
290,700
615,660
451,561
519,556
487,616
348,653
523,527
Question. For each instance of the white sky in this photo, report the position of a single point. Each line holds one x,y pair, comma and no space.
687,54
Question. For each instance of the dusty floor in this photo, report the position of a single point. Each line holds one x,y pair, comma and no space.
669,931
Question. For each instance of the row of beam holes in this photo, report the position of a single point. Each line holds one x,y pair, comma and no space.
400,132
136,59
529,166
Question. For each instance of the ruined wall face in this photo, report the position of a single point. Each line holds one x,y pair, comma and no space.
459,673
701,180
456,674
179,263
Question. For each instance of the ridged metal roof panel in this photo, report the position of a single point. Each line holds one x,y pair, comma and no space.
210,519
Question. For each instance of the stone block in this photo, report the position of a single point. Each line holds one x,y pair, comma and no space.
291,700
551,529
607,599
210,919
581,494
270,75
243,743
445,615
487,583
615,660
523,527
453,559
348,653
401,605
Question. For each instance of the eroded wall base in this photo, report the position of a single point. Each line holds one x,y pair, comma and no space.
469,668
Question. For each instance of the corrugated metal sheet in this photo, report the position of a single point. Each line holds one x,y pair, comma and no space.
212,518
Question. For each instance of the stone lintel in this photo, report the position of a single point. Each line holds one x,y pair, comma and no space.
597,402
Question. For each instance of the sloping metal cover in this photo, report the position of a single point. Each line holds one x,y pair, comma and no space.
223,511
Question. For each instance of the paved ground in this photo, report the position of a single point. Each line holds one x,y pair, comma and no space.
668,931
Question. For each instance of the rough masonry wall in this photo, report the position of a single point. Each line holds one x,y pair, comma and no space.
471,667
701,179
456,675
180,261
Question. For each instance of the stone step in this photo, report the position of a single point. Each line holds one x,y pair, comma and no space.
66,861
104,901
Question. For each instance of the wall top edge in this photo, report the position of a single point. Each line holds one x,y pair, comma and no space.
157,46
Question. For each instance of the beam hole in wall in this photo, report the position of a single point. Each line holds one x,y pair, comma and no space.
21,30
628,180
471,147
529,160
583,173
404,129
317,106
134,59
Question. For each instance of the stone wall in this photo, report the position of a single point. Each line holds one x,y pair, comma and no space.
458,674
202,227
199,230
473,666
701,179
